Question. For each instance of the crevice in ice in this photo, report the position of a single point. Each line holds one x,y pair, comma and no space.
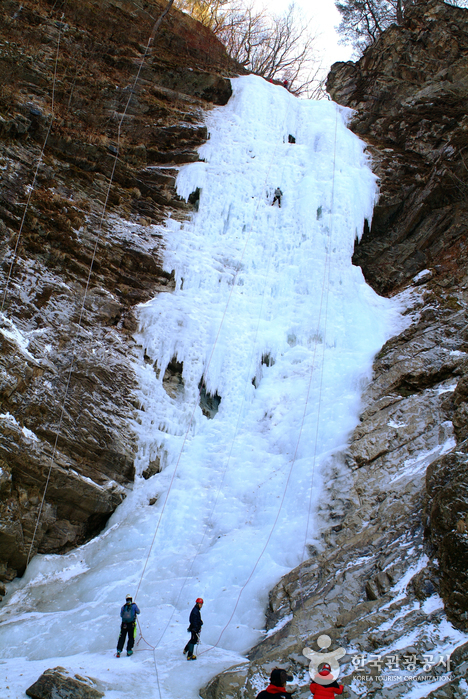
152,469
194,198
209,403
173,381
267,360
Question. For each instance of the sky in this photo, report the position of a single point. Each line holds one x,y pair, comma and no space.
325,17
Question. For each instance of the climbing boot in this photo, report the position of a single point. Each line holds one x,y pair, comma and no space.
129,652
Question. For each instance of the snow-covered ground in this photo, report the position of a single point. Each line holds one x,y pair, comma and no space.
237,493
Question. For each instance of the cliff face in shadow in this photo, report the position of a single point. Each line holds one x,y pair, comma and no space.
409,91
67,385
389,578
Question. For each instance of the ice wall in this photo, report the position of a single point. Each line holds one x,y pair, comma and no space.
271,314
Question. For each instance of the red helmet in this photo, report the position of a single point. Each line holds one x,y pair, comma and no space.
199,600
327,667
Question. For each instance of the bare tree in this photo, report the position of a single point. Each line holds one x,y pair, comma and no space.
208,12
363,21
275,47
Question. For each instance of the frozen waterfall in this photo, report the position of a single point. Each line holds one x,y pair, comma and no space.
270,314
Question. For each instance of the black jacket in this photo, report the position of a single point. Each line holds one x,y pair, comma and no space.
277,695
195,620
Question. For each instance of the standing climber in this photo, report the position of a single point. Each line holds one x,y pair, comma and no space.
128,626
277,197
324,689
195,627
277,686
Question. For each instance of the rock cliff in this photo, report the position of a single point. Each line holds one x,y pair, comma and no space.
67,80
390,569
410,92
389,577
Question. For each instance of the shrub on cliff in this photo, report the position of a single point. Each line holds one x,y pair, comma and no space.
363,21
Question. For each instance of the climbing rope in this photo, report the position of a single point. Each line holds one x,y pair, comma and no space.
232,442
327,265
325,285
196,403
327,270
324,295
97,240
38,165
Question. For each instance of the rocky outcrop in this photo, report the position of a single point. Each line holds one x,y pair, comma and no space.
373,583
409,91
81,202
387,579
57,684
447,520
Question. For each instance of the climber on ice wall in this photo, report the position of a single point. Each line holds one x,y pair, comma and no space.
195,627
128,613
277,197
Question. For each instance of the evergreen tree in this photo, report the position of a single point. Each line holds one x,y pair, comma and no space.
363,21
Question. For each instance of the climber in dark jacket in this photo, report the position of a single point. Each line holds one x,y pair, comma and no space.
277,687
325,691
128,626
195,627
277,197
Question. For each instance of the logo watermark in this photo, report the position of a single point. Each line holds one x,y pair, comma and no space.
331,671
324,667
410,663
402,678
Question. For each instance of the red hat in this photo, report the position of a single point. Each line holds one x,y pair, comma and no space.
199,600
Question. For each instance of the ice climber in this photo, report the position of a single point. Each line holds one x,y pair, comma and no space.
277,197
320,690
195,627
277,686
128,626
